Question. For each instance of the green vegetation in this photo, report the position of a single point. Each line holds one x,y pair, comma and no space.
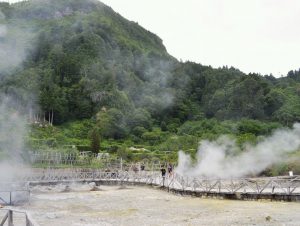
108,84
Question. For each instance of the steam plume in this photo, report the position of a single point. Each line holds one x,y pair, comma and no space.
12,133
14,44
218,158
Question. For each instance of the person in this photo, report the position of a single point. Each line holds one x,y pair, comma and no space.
142,167
163,174
170,169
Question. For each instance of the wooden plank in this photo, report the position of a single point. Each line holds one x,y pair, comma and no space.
4,219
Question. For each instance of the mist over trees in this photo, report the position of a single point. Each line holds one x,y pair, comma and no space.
82,61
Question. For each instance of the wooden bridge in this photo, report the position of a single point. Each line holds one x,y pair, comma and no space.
274,188
282,188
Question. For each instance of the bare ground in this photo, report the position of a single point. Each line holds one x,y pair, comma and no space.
145,206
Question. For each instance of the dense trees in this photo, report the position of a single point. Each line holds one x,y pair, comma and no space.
84,61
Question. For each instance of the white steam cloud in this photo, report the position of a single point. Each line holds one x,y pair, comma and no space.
219,159
12,134
14,43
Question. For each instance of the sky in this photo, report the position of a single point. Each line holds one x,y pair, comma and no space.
260,36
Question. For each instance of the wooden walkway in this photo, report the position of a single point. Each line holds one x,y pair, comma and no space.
271,188
275,188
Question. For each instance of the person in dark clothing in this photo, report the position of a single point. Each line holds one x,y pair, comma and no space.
163,172
170,169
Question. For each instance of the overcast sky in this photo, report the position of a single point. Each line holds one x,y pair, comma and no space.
253,35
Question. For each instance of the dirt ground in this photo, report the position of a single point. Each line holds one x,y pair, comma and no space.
146,206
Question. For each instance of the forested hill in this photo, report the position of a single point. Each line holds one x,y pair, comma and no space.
79,59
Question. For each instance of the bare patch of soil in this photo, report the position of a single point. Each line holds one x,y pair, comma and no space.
145,206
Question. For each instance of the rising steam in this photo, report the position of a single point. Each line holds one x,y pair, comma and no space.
12,134
219,159
14,42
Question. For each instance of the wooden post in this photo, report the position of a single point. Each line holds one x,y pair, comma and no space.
10,218
4,219
28,223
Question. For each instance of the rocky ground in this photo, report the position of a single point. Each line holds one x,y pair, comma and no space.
145,206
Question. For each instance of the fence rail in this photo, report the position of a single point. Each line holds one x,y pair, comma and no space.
268,185
9,218
256,186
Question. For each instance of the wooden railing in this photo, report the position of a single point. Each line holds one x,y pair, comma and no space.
254,186
270,185
9,218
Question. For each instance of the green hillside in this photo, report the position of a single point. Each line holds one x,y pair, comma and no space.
97,76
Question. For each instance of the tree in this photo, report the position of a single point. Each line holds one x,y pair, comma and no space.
140,117
112,124
274,100
163,126
95,140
